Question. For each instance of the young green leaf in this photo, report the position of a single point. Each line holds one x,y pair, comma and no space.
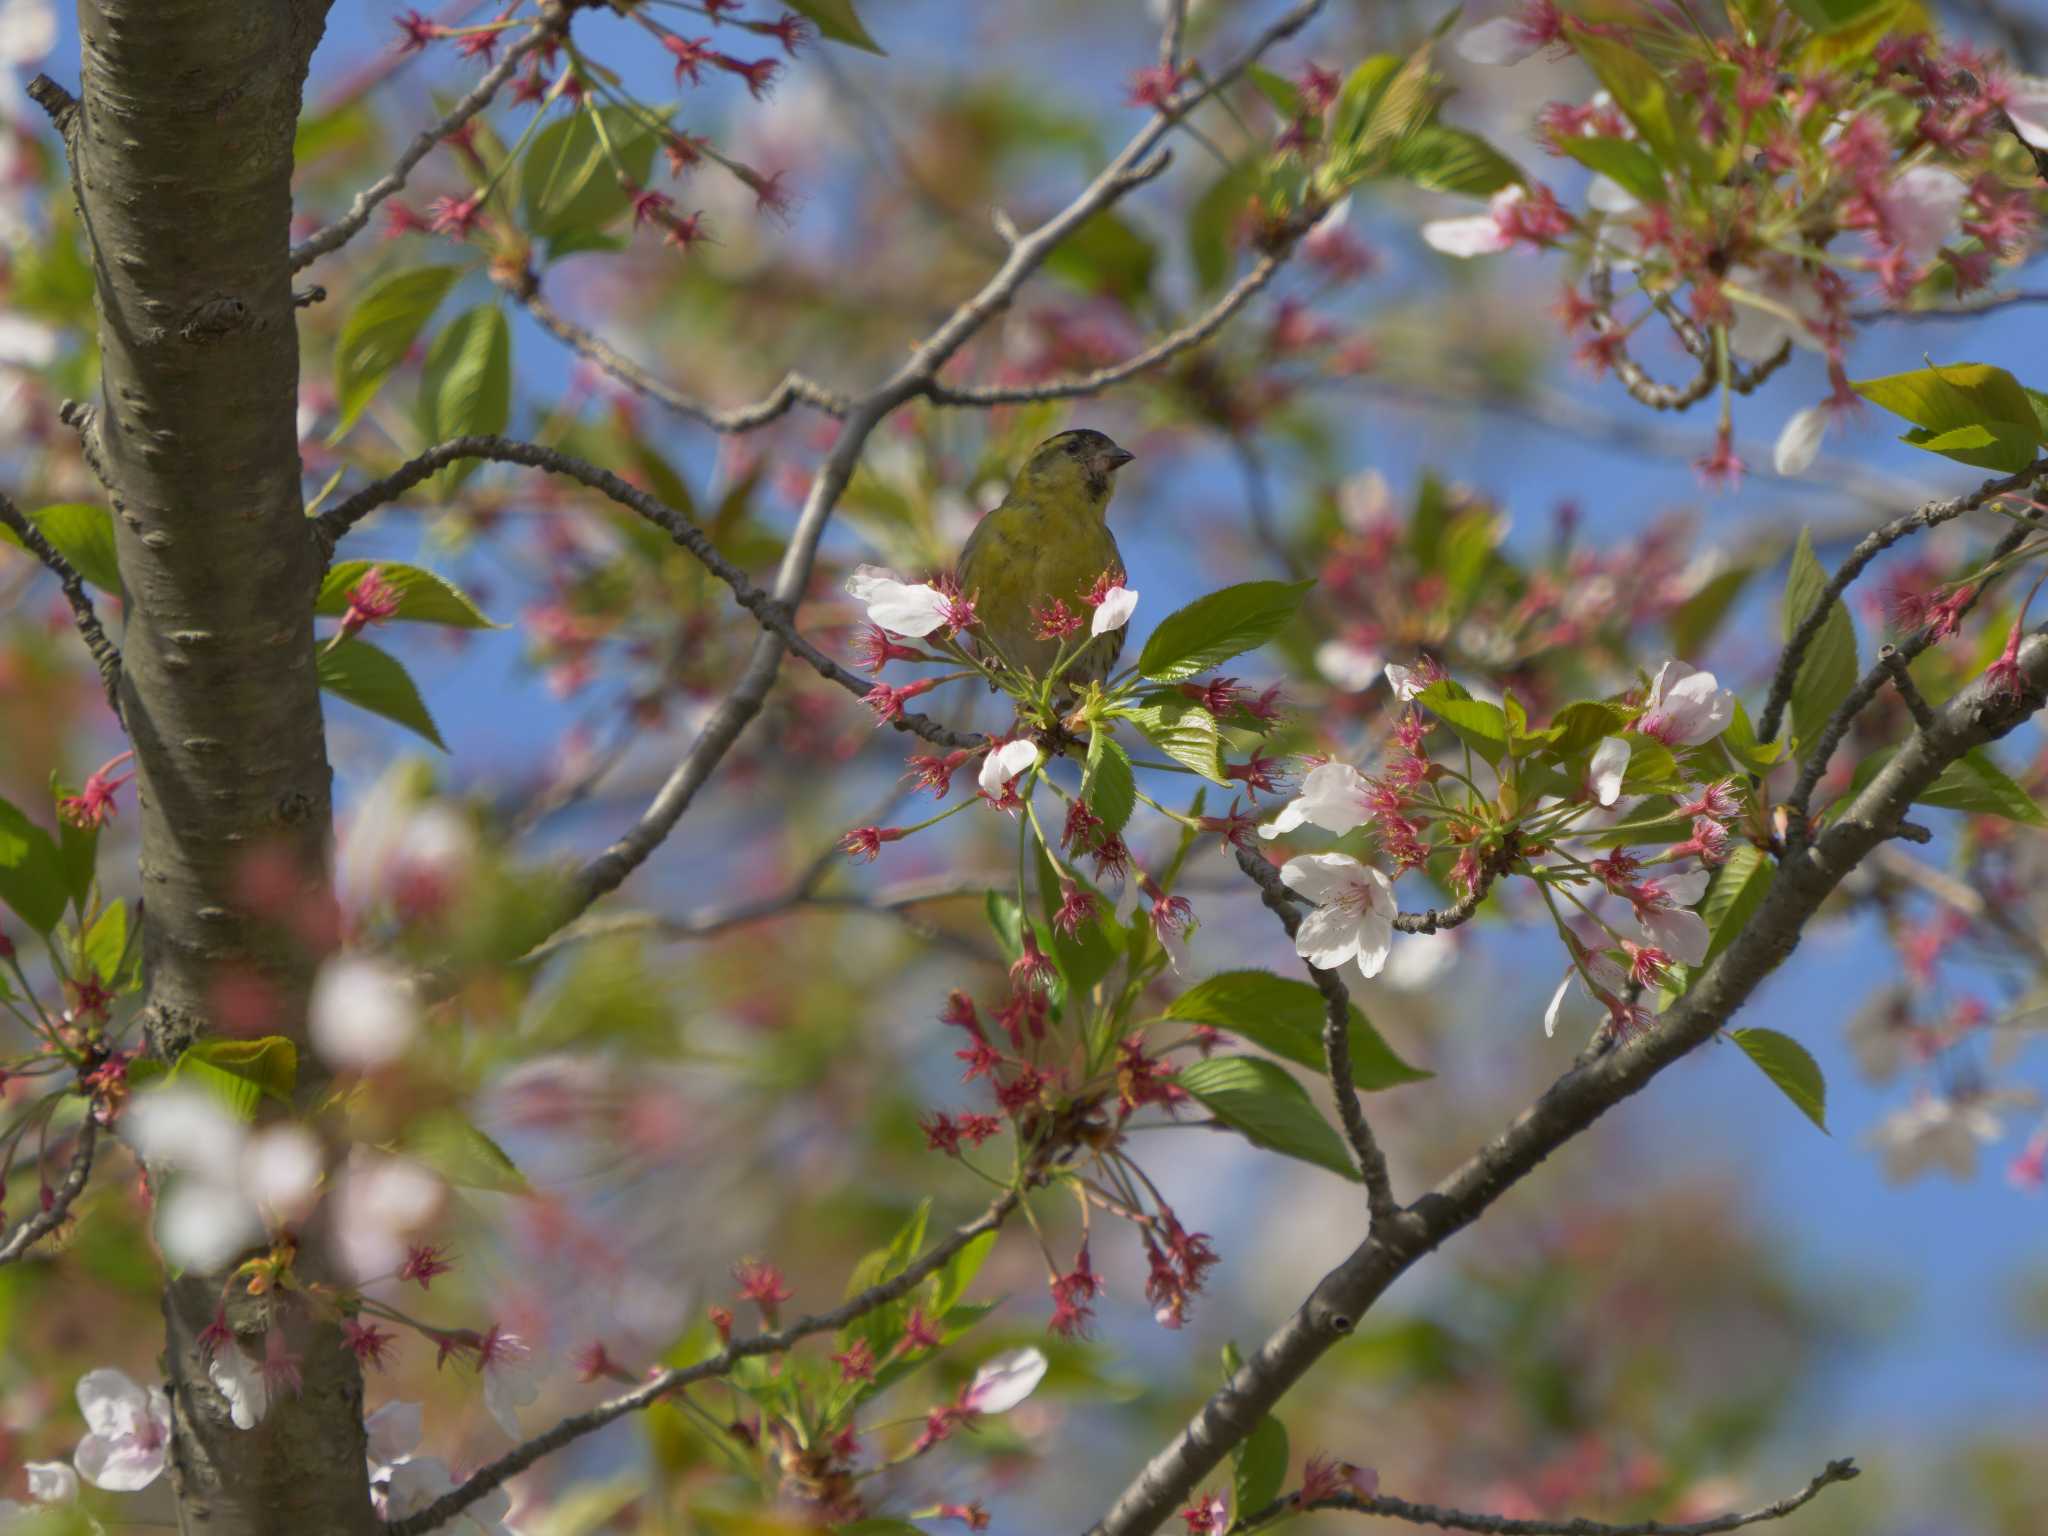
378,333
573,179
1739,888
83,534
31,872
423,596
1481,726
1445,159
466,386
1264,1103
377,681
1212,629
1286,1017
836,19
1829,669
1791,1066
271,1062
1183,730
1261,1466
1109,788
1976,784
1971,412
446,1141
1622,161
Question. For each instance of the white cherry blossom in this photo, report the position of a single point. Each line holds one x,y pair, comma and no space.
128,1431
1354,911
1003,764
1606,770
901,607
1114,611
1333,797
1686,707
1004,1381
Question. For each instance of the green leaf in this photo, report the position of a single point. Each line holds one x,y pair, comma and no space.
107,944
1212,629
1946,402
1391,111
1640,89
1264,1103
1622,161
446,1141
1086,957
78,850
376,680
269,1063
83,534
1106,255
1446,159
1183,730
1826,16
1213,223
1261,1467
1109,789
238,1095
1006,917
836,19
1791,1066
1286,1017
1829,670
954,1276
570,186
423,597
1584,723
1481,726
1363,89
1739,888
1974,783
1282,92
466,386
1694,622
895,1256
31,871
378,333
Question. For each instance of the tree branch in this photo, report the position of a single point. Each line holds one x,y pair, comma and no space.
1932,515
1380,1204
1502,1525
105,654
769,611
492,1474
1163,350
794,389
553,25
1806,877
50,1217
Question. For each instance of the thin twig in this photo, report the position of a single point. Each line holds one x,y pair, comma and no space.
1380,1203
771,612
1163,350
554,24
1931,515
105,654
794,389
49,1217
1889,658
1392,1508
1935,312
493,1474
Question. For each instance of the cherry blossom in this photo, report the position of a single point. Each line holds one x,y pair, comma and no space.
903,608
1003,764
1334,796
362,1014
128,1431
418,1481
1004,1381
1685,706
1114,611
2026,104
1406,682
511,1376
1939,1131
1354,911
241,1381
1349,665
1533,26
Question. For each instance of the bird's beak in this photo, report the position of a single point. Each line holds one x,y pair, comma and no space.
1117,458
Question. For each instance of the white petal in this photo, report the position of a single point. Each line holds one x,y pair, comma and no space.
414,1485
121,1466
1375,941
281,1170
1683,886
362,1014
1556,1004
110,1401
1680,934
1333,797
909,610
1328,937
51,1482
1607,769
1926,207
1114,611
392,1433
1004,764
1291,816
1321,877
201,1225
1610,196
240,1380
1405,681
1005,1381
508,1388
2027,105
1477,234
187,1129
1799,442
1500,41
867,581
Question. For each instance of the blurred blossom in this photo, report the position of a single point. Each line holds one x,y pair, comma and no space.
1939,1131
202,1225
28,31
378,1203
185,1129
511,1376
1422,960
281,1168
1349,665
26,343
362,1014
128,1431
418,1481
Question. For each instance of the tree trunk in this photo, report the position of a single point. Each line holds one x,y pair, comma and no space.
181,155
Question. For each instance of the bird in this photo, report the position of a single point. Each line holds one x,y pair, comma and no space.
1048,541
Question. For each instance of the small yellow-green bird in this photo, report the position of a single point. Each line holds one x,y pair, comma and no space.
1048,540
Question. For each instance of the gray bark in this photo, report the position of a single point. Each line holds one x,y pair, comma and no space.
181,155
